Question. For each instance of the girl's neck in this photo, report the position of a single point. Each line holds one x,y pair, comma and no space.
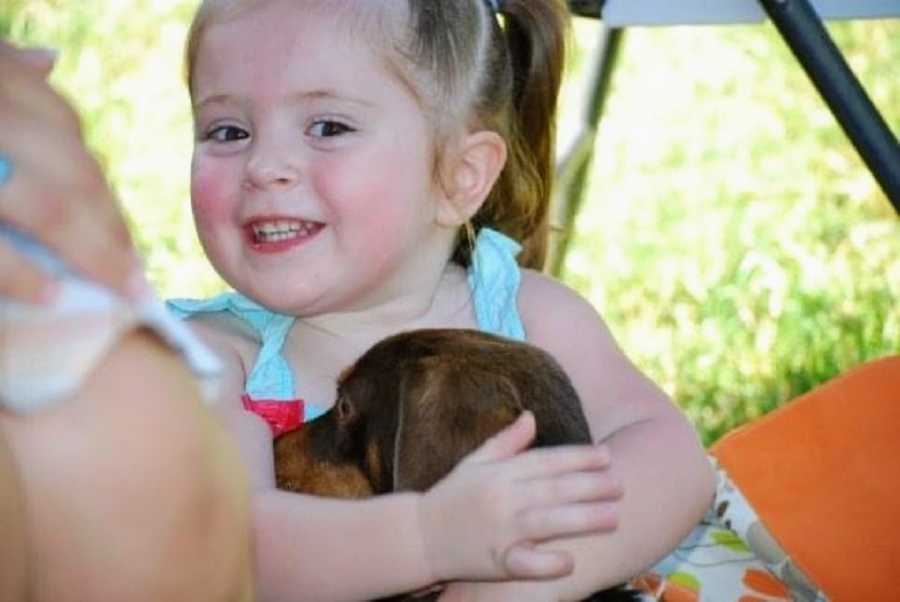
320,347
446,302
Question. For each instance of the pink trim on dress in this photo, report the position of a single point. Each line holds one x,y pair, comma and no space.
282,416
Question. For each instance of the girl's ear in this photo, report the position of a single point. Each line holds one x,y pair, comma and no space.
470,170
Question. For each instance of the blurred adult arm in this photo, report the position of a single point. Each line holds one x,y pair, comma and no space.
125,487
132,491
12,525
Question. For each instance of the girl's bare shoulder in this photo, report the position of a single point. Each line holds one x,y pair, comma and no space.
613,391
552,311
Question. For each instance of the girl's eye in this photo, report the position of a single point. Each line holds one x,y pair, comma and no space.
327,129
226,133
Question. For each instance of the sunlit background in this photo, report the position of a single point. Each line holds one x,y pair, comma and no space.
730,235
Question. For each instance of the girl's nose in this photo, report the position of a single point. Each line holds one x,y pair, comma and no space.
271,165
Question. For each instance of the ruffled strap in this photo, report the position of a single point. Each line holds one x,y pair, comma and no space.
494,278
271,376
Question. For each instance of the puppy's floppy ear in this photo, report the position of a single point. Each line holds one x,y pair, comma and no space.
447,410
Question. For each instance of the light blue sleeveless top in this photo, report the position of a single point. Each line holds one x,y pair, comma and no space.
493,277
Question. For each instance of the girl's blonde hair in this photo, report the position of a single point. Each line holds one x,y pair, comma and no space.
469,67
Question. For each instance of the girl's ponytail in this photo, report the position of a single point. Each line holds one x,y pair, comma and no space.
533,33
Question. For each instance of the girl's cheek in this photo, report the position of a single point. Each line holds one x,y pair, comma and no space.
209,193
369,189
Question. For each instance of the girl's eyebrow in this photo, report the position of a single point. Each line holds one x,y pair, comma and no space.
215,99
326,94
294,99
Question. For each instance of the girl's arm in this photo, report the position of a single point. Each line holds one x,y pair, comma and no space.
667,480
481,522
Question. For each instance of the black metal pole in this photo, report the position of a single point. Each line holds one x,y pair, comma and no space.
573,173
802,29
587,8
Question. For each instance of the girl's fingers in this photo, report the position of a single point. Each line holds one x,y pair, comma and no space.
548,462
528,562
507,443
539,524
573,488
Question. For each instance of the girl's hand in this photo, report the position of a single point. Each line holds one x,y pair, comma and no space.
483,521
53,188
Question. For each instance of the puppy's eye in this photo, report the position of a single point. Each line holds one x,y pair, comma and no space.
343,408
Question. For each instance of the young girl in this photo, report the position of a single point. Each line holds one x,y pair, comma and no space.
364,168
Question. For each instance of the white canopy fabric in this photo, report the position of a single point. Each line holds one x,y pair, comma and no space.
621,13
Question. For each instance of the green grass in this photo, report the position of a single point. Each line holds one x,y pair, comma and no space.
738,248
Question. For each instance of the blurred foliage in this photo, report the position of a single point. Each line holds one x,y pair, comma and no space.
121,65
731,237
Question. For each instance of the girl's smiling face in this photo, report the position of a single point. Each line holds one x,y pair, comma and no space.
312,177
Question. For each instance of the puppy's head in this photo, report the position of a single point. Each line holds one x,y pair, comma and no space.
406,412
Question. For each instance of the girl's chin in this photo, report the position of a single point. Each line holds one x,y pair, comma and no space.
280,299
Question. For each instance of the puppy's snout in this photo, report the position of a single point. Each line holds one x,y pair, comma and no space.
306,461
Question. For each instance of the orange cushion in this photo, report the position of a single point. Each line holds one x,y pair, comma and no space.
823,474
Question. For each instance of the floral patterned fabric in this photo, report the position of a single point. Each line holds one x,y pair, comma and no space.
729,557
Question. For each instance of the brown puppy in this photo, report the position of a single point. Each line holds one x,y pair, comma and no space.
416,403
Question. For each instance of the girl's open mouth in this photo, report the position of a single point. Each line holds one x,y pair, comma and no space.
274,235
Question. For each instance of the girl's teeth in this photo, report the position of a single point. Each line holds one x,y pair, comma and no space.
281,230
